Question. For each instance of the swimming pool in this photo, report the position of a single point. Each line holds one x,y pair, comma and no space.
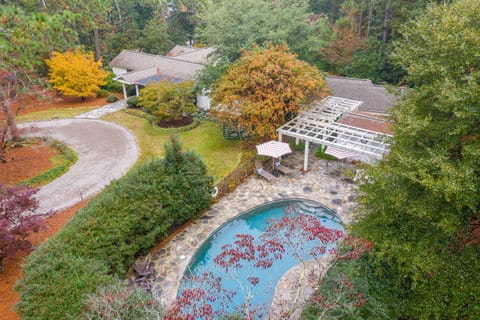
226,276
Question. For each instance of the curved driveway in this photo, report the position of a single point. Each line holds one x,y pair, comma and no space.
105,150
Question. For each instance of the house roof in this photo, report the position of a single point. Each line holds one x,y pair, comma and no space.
145,75
134,60
148,67
375,98
185,53
182,64
366,121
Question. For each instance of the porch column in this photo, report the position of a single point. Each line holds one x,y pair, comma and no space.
305,156
136,90
124,91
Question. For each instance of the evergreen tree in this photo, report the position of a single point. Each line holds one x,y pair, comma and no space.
421,206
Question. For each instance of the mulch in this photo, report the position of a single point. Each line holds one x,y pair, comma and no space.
184,121
27,162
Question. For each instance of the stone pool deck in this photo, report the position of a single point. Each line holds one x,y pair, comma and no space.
319,184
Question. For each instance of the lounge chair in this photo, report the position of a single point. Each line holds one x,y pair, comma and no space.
262,172
282,169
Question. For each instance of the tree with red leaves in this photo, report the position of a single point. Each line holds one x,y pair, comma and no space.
17,220
292,232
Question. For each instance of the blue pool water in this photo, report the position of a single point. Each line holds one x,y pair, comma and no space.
254,222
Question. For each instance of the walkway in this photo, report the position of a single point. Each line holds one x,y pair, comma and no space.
171,260
100,112
105,150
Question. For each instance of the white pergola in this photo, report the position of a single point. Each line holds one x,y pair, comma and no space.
319,125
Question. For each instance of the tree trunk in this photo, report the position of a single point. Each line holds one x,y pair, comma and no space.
370,17
360,19
385,22
117,6
3,154
10,119
96,39
164,14
42,5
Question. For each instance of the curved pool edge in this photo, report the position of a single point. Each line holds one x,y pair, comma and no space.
296,287
171,259
268,204
308,206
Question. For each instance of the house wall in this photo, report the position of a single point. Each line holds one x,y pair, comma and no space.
203,101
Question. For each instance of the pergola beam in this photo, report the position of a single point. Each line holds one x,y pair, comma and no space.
318,125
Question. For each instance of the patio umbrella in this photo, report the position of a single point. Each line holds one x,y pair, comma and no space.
274,149
340,153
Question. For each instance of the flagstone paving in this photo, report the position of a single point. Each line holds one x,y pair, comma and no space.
100,112
318,184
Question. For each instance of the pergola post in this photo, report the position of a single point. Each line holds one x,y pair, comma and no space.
305,156
136,90
124,91
280,136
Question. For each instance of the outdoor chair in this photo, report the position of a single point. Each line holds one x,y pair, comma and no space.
144,270
283,169
262,172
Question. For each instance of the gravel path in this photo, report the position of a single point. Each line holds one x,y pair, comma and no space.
106,151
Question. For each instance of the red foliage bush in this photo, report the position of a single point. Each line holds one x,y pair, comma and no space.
17,220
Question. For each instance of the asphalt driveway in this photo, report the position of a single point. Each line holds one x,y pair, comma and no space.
106,151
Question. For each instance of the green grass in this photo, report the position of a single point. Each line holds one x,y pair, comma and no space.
219,155
62,113
64,158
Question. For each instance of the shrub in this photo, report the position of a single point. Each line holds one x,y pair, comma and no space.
111,84
55,282
132,102
112,98
15,226
167,100
127,219
297,147
344,293
103,93
117,302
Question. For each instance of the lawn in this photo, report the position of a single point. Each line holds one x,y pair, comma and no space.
51,114
220,155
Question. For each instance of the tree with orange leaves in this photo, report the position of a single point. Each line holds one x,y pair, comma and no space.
74,73
264,89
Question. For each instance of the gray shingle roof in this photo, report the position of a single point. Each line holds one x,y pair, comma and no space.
145,66
197,55
134,60
375,98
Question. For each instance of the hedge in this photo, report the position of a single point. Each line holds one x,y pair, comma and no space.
102,240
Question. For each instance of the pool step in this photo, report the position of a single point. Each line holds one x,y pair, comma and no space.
318,210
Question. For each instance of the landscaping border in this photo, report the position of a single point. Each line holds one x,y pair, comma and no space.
68,157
